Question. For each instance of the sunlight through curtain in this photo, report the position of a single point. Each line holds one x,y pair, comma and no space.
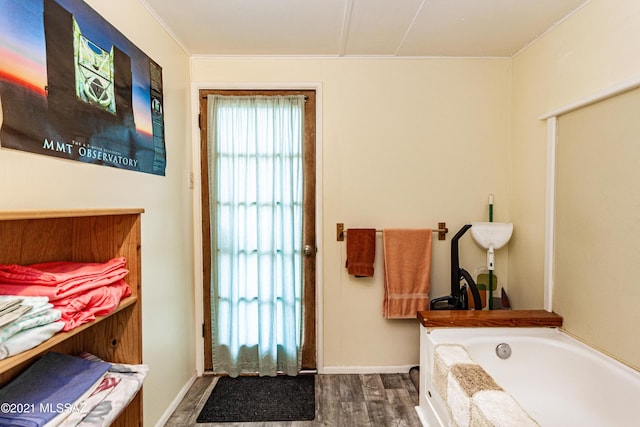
255,168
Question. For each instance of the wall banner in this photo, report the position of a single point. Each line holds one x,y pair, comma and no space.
72,86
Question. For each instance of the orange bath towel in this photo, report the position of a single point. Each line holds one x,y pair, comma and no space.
407,277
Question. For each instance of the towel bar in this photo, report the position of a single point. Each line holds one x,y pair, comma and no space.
442,231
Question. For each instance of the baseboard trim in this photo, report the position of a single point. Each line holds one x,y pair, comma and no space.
176,401
398,369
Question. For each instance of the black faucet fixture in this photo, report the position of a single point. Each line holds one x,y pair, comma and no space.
458,299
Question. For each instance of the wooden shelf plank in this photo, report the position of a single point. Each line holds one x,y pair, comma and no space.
488,318
20,358
71,213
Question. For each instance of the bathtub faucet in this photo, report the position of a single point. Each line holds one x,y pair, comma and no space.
458,299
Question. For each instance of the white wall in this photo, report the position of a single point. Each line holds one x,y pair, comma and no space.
405,143
30,181
596,48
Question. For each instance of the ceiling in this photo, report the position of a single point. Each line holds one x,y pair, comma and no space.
403,28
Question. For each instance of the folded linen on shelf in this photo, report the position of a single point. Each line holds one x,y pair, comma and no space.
38,305
50,385
28,322
31,301
79,290
82,308
85,404
63,290
58,273
10,316
108,398
31,320
9,304
118,391
29,339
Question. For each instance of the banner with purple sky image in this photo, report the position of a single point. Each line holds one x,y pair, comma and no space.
72,86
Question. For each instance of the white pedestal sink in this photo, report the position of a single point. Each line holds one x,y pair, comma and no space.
491,236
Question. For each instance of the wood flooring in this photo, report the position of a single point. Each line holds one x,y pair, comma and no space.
357,400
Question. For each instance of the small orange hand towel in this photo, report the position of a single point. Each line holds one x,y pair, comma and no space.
407,278
361,251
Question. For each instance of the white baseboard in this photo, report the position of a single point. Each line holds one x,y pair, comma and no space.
399,369
175,402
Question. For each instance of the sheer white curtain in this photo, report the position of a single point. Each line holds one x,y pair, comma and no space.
255,168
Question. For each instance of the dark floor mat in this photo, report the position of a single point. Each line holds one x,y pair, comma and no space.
251,399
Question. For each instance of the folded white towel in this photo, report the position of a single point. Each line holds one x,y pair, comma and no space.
16,307
496,408
29,321
28,339
9,304
22,299
14,313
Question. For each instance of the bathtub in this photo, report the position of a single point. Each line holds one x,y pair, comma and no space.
555,378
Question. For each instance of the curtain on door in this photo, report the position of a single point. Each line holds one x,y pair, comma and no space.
256,215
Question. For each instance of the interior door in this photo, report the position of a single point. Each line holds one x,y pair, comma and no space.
309,223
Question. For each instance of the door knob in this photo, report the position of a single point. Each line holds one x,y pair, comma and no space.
308,250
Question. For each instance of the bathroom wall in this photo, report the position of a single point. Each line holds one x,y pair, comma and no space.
30,181
593,50
404,143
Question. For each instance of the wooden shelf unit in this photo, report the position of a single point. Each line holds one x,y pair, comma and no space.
28,237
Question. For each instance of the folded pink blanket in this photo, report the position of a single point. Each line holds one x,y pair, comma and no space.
58,280
83,308
58,272
55,293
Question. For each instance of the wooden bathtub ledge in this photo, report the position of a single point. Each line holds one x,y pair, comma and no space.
489,318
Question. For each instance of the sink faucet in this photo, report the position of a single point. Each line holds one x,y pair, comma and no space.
458,299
